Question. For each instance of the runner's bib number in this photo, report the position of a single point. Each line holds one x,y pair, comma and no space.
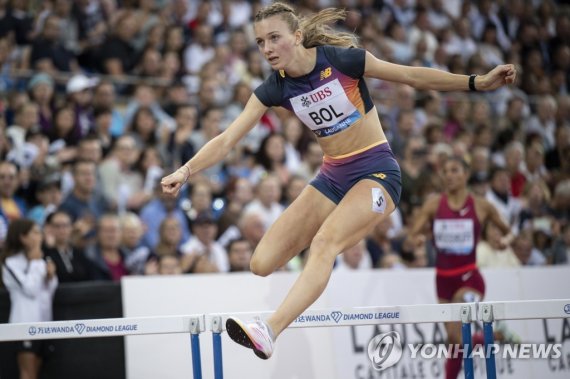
454,236
326,110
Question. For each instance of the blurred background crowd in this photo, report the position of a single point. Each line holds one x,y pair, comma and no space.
101,98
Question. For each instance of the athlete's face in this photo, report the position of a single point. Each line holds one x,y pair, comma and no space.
275,41
454,175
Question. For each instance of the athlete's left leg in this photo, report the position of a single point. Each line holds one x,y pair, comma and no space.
366,204
453,364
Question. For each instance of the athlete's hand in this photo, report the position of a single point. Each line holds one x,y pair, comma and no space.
506,241
497,77
172,183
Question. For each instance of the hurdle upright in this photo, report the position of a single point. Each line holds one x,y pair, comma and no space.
335,317
490,311
112,327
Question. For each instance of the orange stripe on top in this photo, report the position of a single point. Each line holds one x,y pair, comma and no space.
357,151
456,271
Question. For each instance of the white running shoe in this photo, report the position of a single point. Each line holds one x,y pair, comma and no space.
253,335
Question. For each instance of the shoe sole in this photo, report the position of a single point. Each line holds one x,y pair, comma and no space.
238,333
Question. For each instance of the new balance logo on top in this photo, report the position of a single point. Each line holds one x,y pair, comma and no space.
326,73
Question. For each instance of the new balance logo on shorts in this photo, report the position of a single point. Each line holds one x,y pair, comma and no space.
379,175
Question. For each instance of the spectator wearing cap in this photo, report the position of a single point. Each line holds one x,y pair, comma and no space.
48,194
41,89
203,243
48,53
79,92
70,261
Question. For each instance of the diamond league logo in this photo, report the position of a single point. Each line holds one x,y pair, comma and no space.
567,309
385,350
32,331
336,316
79,328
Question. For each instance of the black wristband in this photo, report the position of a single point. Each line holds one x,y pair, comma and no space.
472,82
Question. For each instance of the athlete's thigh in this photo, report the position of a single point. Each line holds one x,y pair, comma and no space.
295,228
467,295
363,206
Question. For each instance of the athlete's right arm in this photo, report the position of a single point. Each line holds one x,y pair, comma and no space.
217,148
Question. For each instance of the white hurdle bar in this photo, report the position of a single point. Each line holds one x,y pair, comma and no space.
401,314
490,311
112,327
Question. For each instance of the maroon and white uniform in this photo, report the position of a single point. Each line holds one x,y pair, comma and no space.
456,233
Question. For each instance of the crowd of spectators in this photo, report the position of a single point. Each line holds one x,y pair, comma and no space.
100,98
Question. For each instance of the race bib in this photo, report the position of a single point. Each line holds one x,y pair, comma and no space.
454,236
326,110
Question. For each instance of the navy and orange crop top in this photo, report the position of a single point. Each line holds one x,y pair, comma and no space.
329,99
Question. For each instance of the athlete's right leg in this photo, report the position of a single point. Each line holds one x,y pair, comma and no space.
292,232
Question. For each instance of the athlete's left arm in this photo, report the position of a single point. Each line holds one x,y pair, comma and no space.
492,215
425,78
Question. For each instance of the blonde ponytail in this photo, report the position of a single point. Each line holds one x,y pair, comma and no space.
316,29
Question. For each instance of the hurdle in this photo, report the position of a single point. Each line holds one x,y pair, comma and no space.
404,314
515,310
113,327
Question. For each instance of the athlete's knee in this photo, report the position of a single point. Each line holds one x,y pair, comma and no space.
324,247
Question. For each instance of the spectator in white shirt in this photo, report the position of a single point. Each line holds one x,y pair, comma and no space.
31,282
